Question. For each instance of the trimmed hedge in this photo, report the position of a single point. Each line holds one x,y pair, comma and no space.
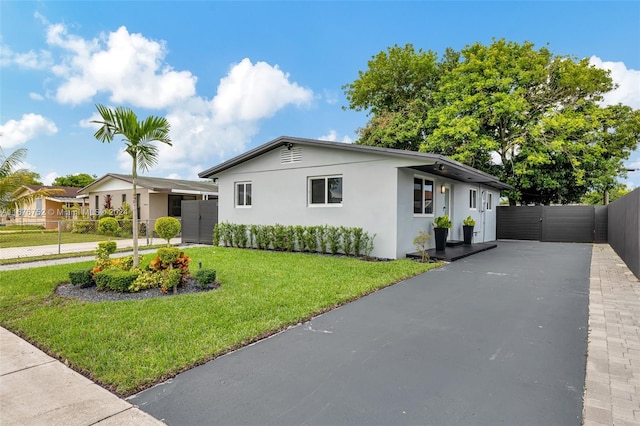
313,239
82,278
115,279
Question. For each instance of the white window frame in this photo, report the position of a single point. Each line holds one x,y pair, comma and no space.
326,191
473,199
433,197
236,195
489,201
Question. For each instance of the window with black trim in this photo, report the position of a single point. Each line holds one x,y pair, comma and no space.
325,190
422,196
243,194
489,201
473,199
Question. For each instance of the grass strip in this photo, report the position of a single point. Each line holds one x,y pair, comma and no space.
40,238
129,345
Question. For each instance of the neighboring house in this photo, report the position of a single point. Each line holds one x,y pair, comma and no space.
46,211
157,197
388,192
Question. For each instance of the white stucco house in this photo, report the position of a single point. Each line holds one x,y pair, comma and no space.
388,192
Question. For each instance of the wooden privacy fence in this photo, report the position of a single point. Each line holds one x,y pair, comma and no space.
576,224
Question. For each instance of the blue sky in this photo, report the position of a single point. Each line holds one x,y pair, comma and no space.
232,75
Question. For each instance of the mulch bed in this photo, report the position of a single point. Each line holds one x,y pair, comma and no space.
91,294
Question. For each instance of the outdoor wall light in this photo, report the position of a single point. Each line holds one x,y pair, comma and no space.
441,167
442,189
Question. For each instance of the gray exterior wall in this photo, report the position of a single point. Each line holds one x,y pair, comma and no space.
377,196
409,225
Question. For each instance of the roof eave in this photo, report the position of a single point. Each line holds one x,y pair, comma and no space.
284,140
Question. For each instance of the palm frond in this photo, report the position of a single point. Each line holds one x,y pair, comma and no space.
11,162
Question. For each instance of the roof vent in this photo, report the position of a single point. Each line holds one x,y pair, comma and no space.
291,155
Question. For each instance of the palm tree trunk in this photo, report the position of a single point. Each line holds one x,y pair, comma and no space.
134,229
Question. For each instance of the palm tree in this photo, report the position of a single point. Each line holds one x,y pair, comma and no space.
137,136
12,178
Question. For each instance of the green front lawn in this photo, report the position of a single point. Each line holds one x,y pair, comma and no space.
40,238
129,345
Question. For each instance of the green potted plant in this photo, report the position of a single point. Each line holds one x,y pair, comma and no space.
441,230
467,229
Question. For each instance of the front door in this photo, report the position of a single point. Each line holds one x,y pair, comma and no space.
446,208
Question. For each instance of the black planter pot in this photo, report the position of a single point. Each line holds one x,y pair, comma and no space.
467,232
441,238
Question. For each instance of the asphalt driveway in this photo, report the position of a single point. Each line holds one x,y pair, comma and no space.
496,338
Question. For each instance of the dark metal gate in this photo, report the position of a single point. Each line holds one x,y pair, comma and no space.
198,219
576,224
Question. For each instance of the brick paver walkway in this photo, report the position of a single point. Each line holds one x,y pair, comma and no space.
612,384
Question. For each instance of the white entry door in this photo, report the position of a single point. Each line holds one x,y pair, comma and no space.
446,208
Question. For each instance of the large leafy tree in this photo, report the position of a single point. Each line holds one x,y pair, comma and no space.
532,118
12,177
138,137
79,180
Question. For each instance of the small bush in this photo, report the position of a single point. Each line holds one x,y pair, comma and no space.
170,280
82,278
357,241
216,235
347,240
115,279
167,227
146,280
107,247
333,237
168,255
108,226
125,263
240,237
205,277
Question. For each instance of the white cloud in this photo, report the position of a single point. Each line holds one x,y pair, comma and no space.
30,126
333,137
253,92
129,67
205,132
49,178
87,123
30,60
36,96
628,81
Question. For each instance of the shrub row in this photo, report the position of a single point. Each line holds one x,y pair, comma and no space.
315,239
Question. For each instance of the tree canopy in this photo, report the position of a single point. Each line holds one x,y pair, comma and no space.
78,180
532,118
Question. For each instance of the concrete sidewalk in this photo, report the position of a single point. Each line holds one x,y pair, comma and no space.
612,384
36,389
65,248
